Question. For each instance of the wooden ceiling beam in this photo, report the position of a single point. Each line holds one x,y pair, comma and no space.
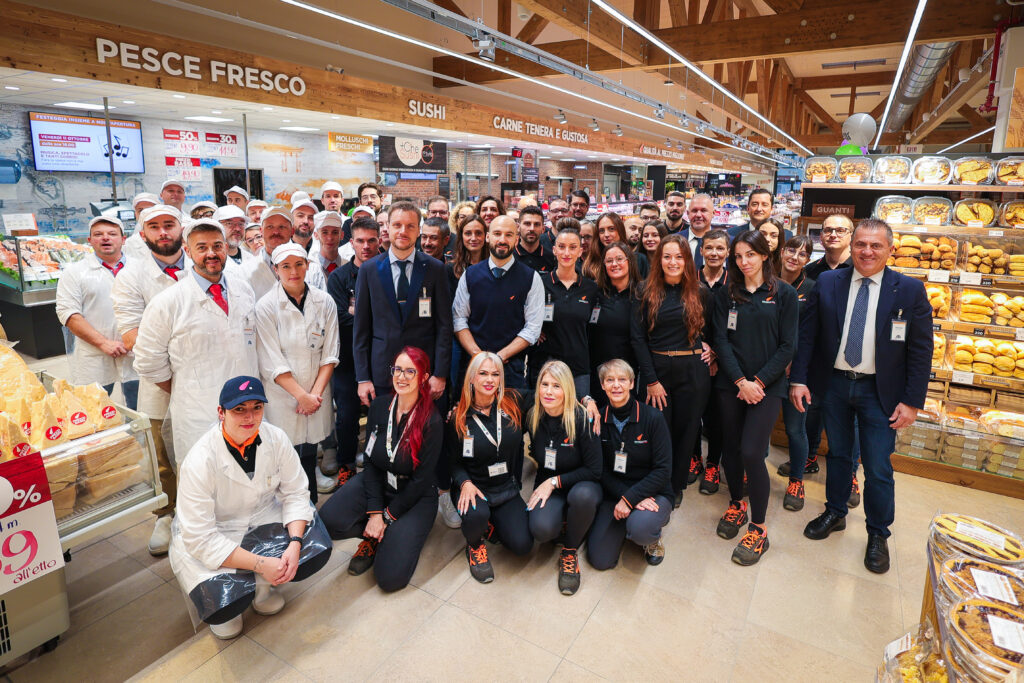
590,24
818,111
973,117
860,79
532,28
647,13
780,6
505,17
450,6
693,12
677,12
958,97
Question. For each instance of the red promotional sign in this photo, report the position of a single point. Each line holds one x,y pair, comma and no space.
187,135
222,138
186,162
29,542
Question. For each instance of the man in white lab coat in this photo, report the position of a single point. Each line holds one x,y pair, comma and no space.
133,290
277,230
234,221
172,193
236,196
198,334
85,308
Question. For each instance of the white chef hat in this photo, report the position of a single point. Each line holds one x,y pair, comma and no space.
276,211
228,212
207,204
237,190
331,185
255,202
106,219
363,209
145,197
168,183
327,218
287,249
307,202
203,223
159,210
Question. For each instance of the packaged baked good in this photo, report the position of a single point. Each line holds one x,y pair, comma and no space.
891,170
932,171
914,657
932,211
1004,423
820,169
854,170
1010,171
1011,214
894,209
990,633
974,213
964,577
965,534
973,171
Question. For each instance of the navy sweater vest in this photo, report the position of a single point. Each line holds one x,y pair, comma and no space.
497,310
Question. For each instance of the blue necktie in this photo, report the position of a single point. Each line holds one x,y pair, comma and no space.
858,320
402,290
498,273
698,255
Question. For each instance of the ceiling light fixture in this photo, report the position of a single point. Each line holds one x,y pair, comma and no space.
11,87
208,119
59,80
560,117
617,130
485,47
899,69
967,139
127,101
299,129
659,113
81,105
594,125
216,111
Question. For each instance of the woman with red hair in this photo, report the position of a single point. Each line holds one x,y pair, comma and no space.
391,504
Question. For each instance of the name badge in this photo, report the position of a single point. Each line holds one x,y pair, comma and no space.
731,324
467,447
899,331
595,314
370,443
620,461
497,469
549,312
550,456
424,306
393,480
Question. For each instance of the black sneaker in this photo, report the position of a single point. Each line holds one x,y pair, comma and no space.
709,484
363,558
784,469
479,566
568,572
696,468
678,500
752,546
794,499
654,553
854,500
812,466
734,518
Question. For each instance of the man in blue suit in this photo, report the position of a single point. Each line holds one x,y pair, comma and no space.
402,299
865,350
759,209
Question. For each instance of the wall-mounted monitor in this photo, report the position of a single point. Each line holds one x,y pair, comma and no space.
66,142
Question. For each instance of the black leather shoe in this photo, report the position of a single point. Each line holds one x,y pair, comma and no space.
824,524
876,558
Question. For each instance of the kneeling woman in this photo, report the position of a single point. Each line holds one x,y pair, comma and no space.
636,476
566,489
391,504
243,522
485,448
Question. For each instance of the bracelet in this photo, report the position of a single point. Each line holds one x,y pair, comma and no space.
256,567
295,539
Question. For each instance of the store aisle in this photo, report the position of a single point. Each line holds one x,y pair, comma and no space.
807,612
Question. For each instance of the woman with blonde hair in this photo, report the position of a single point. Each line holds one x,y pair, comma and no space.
460,211
566,488
485,449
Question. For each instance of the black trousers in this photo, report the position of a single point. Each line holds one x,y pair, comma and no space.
346,421
607,535
745,443
510,519
712,428
576,507
307,458
687,381
345,516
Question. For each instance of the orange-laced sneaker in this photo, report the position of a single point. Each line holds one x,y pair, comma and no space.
752,546
794,499
568,572
696,467
735,517
854,494
363,557
344,474
709,484
479,566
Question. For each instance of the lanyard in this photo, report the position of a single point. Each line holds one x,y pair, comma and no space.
391,422
487,434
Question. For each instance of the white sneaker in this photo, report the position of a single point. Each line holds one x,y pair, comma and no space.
449,514
268,601
229,629
329,463
160,541
325,484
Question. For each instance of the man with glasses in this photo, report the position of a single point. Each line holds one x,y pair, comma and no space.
649,211
558,209
437,207
836,232
579,204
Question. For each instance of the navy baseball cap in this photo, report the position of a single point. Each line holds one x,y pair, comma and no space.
241,389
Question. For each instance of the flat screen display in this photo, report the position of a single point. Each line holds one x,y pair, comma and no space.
66,142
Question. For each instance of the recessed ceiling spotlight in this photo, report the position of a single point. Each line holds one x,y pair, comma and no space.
594,125
127,101
617,130
286,120
59,80
389,124
11,87
208,119
335,117
216,111
268,108
81,105
299,129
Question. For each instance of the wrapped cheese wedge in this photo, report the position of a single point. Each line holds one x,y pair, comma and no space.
95,489
13,442
47,428
78,421
98,406
14,373
109,453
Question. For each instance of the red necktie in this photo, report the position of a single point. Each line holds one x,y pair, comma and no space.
114,269
172,271
217,293
331,267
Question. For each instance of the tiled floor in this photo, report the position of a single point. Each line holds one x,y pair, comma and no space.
809,611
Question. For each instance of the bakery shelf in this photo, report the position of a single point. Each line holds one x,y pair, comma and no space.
961,476
909,186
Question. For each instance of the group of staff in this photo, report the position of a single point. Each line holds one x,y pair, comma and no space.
460,334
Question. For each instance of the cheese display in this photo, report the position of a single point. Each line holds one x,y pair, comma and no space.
932,170
973,171
975,213
910,251
1010,171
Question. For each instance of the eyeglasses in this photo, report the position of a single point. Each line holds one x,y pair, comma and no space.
793,251
397,372
834,231
612,261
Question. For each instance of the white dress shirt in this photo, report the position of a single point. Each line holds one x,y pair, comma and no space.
534,306
867,356
396,270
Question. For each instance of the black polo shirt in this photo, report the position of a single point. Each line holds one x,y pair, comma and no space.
648,447
764,341
814,269
609,336
670,331
542,259
567,334
485,455
575,461
803,286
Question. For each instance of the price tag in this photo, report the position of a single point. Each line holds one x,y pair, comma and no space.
29,542
853,178
1016,182
921,228
968,182
975,224
994,586
970,278
897,218
1007,634
938,276
20,221
1019,334
932,220
819,178
995,233
961,377
898,647
894,178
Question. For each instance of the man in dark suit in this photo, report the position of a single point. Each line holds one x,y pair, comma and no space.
865,350
402,299
700,212
759,210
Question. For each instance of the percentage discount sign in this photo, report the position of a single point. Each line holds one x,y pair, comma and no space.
29,542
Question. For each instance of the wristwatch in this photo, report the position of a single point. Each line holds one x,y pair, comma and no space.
295,539
388,519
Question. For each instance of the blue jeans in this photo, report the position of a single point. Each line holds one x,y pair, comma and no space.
851,409
130,391
796,433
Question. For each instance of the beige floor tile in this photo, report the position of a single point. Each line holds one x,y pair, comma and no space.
765,655
501,602
639,628
184,659
567,672
118,645
244,660
845,614
475,650
134,541
340,622
435,572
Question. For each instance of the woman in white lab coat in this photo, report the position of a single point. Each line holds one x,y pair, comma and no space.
297,345
244,523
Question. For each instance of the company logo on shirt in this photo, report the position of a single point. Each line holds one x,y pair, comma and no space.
769,300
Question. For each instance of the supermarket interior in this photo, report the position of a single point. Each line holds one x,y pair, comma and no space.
906,111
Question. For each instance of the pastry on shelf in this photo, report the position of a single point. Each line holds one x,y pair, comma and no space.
1010,171
932,170
973,171
820,169
891,170
1011,214
978,538
894,209
932,211
854,169
939,296
980,213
